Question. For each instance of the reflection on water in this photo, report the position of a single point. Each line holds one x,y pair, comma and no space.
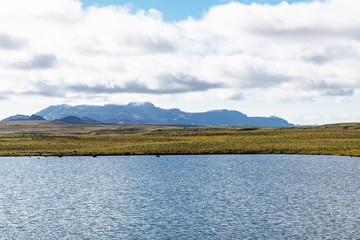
180,197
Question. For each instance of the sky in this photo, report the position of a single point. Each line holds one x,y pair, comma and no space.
298,60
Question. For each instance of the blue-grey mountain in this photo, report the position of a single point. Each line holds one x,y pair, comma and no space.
147,113
77,119
21,117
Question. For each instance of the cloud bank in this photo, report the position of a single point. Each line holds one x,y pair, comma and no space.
58,49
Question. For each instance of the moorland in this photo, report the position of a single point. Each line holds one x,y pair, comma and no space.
55,138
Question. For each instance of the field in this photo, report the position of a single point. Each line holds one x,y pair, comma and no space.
32,138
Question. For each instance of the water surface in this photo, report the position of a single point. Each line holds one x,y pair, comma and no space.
180,197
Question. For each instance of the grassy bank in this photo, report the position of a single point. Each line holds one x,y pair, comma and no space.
59,138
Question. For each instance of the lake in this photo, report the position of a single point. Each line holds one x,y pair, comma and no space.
180,197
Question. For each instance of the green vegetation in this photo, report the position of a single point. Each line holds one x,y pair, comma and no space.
62,139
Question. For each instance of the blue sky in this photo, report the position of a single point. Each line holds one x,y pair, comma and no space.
298,60
175,10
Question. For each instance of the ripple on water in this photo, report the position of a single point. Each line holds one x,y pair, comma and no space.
180,197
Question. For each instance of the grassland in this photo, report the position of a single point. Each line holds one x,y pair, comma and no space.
65,139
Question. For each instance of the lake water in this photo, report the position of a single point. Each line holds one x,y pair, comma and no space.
180,197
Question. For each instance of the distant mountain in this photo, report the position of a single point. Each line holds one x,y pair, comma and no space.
76,119
147,113
20,117
35,117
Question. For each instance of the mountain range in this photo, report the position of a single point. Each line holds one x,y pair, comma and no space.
21,117
147,113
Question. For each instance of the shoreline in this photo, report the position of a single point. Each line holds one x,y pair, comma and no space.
161,155
177,154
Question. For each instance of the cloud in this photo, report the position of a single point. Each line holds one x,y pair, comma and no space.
170,84
10,43
237,96
147,44
42,89
329,54
340,92
37,62
180,83
298,51
4,95
254,77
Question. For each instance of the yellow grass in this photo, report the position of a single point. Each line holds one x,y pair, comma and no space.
58,138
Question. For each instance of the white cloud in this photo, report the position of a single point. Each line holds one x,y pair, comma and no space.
57,49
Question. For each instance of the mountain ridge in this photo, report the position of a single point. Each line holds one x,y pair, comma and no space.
20,117
148,113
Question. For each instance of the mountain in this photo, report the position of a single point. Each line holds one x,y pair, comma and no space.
35,117
147,113
77,119
20,117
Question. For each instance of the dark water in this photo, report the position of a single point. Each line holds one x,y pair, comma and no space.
180,197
